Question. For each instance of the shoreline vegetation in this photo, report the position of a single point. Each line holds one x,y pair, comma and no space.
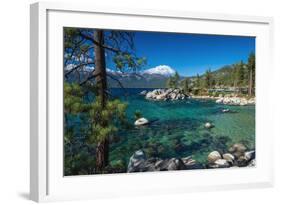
230,85
178,94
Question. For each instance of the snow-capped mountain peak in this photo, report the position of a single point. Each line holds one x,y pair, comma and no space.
164,70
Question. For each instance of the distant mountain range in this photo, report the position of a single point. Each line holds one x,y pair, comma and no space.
152,78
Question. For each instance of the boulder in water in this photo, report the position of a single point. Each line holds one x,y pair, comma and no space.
141,121
175,164
208,125
137,162
237,150
214,156
221,163
225,110
143,92
250,155
228,157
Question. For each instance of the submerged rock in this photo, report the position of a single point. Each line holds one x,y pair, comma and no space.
208,125
143,92
141,121
225,110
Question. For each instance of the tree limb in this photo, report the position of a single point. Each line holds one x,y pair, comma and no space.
78,66
97,43
119,83
90,77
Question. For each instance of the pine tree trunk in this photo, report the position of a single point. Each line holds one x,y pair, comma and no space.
100,70
100,67
250,83
102,150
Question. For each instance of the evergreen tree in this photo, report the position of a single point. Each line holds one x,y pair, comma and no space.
173,81
197,81
208,79
240,74
84,48
251,70
186,87
177,78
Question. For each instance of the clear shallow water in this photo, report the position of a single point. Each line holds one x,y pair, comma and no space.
178,128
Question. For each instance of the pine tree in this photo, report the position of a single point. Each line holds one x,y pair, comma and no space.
173,81
113,114
88,47
240,74
251,68
208,79
186,87
197,81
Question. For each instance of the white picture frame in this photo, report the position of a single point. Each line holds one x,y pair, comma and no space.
47,182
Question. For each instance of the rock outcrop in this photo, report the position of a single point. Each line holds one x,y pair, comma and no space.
141,121
143,92
235,101
213,156
238,156
166,94
139,163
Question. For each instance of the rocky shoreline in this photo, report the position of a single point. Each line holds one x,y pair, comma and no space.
165,94
236,101
237,156
178,94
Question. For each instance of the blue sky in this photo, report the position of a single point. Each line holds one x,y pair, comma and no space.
190,54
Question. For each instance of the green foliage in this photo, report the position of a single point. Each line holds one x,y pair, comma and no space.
251,70
252,62
173,81
128,60
198,81
73,101
96,117
104,121
239,75
186,86
96,124
118,164
209,81
79,163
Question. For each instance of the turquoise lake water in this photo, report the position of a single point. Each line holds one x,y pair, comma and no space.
177,128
